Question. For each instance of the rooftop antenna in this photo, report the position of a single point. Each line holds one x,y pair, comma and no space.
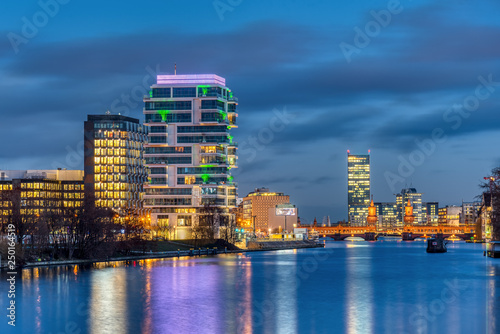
175,69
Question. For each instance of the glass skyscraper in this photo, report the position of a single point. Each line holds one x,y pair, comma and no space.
190,151
358,188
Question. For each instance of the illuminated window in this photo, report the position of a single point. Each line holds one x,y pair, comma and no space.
189,180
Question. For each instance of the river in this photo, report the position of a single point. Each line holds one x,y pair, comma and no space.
347,287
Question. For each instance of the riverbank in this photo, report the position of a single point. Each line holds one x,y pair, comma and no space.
139,255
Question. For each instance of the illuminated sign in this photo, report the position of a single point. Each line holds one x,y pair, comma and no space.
286,211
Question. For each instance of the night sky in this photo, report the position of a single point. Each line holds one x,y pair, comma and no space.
355,75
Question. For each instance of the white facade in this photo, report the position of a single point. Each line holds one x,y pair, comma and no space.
190,151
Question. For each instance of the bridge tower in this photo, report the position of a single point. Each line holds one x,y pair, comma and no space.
409,217
372,218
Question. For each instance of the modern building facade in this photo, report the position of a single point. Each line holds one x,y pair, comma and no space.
450,215
470,212
282,218
415,200
387,213
190,150
430,213
358,188
31,194
257,205
115,173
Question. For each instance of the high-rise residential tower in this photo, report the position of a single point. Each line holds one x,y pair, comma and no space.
358,188
190,152
114,163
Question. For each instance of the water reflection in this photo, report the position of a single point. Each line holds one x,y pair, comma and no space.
286,298
493,296
360,288
359,305
108,307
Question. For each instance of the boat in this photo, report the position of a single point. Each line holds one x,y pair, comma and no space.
314,236
436,245
493,249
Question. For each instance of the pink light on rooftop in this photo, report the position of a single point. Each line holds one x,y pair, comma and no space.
195,79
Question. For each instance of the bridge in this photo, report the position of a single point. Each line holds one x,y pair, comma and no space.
408,232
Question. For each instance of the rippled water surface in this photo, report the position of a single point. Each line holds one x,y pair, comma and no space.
357,287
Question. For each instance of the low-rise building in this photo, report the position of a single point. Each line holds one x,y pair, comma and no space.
256,207
30,194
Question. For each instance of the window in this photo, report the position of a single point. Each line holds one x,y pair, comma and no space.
168,150
158,129
168,105
198,129
185,92
158,139
168,118
161,92
168,160
202,139
213,104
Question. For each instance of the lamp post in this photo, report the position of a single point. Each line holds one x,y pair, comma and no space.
253,217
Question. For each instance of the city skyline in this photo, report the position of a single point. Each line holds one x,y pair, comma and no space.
395,90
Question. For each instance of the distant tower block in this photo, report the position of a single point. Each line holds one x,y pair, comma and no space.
372,215
409,217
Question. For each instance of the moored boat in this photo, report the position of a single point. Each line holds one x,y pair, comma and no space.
436,246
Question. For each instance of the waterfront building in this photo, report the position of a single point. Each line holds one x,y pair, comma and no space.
430,213
450,215
358,188
387,213
190,151
257,205
282,218
469,212
30,194
485,216
114,163
415,200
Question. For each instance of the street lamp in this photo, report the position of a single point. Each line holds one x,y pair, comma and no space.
254,224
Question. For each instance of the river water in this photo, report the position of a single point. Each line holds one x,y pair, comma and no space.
347,287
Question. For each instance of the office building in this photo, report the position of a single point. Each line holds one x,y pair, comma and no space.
450,215
257,206
430,213
115,173
470,212
190,150
358,188
282,218
31,194
415,200
387,214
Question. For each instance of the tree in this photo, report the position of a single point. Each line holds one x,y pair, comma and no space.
492,186
228,228
208,221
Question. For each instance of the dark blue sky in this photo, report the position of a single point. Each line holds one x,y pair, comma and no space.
404,77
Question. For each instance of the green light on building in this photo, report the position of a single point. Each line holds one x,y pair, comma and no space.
163,114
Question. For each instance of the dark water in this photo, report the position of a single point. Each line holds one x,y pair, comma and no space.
378,287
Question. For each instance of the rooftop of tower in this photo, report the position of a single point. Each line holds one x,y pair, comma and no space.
190,79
